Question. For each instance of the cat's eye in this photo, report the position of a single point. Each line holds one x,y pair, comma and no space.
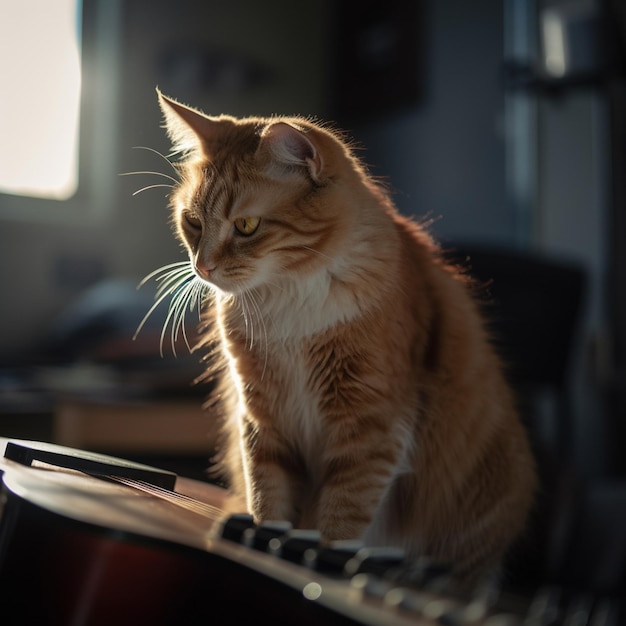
192,220
247,226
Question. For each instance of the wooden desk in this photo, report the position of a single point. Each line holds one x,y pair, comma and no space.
167,426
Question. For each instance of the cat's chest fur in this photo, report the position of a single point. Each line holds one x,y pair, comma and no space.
273,341
275,391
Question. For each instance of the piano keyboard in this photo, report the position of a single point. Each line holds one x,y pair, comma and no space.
397,592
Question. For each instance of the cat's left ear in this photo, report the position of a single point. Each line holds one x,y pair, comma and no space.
189,129
292,147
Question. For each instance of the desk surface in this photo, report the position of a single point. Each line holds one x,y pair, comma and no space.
160,426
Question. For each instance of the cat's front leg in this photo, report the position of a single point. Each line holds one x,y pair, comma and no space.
358,475
271,487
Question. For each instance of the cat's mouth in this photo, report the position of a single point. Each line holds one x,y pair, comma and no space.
212,283
232,279
218,282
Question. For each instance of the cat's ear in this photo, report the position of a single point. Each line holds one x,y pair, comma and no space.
292,147
189,129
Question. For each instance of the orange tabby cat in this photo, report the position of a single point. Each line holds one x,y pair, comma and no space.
362,396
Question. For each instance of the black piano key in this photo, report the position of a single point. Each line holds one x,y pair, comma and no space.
375,561
606,613
370,585
260,536
332,558
579,610
545,607
234,527
421,573
293,545
410,600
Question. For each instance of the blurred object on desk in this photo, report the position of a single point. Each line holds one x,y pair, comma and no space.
99,387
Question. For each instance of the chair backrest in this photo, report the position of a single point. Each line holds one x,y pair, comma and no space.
533,304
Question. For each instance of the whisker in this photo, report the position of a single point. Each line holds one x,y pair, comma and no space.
163,270
158,154
246,319
192,299
318,252
147,315
176,314
172,313
174,180
178,322
257,308
187,297
186,291
276,285
174,278
151,187
200,292
197,290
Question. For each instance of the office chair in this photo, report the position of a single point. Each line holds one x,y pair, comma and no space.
533,304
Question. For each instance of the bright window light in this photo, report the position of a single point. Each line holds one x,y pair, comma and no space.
554,43
39,108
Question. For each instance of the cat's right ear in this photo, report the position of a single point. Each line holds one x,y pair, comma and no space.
189,129
291,147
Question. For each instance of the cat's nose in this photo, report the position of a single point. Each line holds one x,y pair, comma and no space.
204,268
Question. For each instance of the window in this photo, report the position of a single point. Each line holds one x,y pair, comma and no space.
40,107
60,73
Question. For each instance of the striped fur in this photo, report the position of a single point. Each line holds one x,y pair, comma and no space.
359,389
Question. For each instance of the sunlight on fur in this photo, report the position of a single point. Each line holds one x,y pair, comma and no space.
357,387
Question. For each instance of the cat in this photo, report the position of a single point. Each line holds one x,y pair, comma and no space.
360,392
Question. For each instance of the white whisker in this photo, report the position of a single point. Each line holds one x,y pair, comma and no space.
174,180
152,187
318,252
195,292
185,298
172,313
173,279
259,314
246,321
164,270
146,317
177,309
179,282
158,154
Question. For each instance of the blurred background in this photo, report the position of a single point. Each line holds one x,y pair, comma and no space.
501,122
